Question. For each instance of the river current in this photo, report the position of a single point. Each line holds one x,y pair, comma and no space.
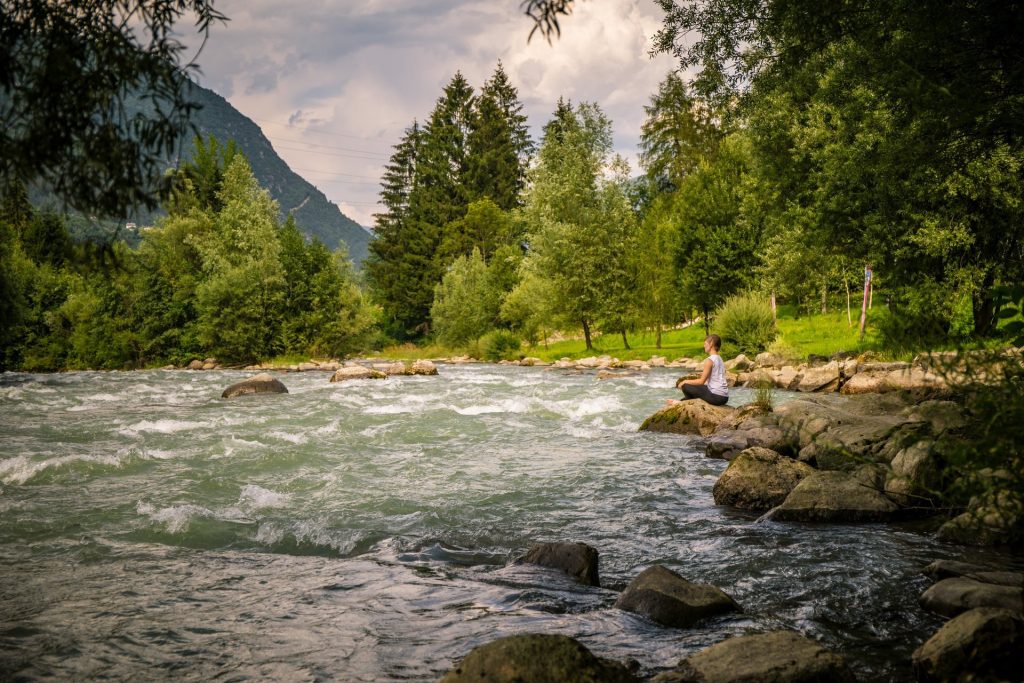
368,530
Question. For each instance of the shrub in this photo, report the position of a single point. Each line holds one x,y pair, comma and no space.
746,322
499,345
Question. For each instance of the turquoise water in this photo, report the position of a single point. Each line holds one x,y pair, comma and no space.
367,530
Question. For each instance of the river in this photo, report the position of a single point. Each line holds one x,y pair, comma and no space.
367,530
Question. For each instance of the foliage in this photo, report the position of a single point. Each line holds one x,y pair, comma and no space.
465,305
219,278
445,191
764,394
746,321
581,225
70,71
499,345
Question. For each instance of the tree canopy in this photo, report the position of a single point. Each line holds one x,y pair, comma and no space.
67,72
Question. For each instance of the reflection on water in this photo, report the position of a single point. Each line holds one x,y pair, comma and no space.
366,530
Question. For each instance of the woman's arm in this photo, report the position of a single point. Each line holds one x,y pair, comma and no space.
704,375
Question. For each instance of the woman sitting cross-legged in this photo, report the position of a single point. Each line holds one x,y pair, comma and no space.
711,385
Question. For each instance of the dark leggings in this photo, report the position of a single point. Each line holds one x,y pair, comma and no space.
701,391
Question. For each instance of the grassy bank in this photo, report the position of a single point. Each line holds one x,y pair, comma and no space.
799,337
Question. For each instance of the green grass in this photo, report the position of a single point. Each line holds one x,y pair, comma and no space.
799,337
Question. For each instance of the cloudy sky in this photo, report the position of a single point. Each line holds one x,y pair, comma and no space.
333,84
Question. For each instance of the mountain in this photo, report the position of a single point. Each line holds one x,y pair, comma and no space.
315,215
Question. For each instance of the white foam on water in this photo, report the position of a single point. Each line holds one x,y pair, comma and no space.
233,444
290,438
176,517
330,428
255,497
512,405
160,427
21,469
269,533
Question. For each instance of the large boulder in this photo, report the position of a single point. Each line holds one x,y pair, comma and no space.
994,517
824,379
423,367
759,479
578,560
670,600
833,497
981,644
916,474
263,383
687,417
949,569
833,432
536,658
356,372
950,597
775,657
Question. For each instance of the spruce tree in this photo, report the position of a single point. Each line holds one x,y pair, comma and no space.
499,144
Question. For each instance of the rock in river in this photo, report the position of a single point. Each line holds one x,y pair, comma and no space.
833,497
687,417
775,657
578,560
759,479
356,372
980,645
670,600
263,383
536,658
950,597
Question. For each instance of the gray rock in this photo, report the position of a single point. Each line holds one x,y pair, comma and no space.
263,383
775,657
759,479
726,445
950,597
833,497
947,569
823,379
423,367
670,600
995,517
578,560
981,644
536,658
687,417
356,372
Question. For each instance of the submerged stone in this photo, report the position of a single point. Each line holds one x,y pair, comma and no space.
578,560
670,600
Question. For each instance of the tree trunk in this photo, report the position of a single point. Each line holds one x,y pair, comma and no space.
657,336
775,307
865,305
625,342
984,308
849,315
824,299
707,322
586,335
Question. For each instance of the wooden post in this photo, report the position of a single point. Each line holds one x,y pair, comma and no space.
867,297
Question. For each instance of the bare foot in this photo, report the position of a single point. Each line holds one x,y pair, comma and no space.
671,401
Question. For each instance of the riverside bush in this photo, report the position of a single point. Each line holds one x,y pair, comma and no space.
499,345
746,322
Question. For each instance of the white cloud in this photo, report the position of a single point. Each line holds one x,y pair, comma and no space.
325,78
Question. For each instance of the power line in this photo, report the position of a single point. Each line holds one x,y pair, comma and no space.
350,175
315,132
330,154
344,149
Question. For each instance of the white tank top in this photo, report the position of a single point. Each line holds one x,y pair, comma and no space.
716,382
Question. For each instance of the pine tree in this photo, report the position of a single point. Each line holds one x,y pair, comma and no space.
679,132
499,144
